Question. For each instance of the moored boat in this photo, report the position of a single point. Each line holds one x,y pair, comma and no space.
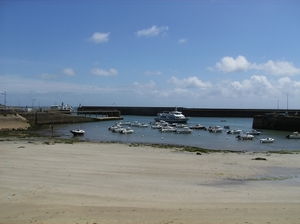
168,129
295,135
77,132
171,117
234,131
197,127
254,132
266,140
184,130
127,130
245,137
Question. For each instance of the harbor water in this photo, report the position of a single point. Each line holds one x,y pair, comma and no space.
98,132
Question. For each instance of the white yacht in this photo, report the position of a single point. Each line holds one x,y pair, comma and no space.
171,117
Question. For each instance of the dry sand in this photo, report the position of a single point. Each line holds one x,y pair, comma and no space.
108,183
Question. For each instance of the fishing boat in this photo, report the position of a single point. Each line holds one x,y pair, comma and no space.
77,132
171,117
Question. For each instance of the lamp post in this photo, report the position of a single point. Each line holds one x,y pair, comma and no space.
4,93
33,103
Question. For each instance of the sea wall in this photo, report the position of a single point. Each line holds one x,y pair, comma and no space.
190,112
45,118
289,123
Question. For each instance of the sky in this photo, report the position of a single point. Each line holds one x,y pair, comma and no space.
194,54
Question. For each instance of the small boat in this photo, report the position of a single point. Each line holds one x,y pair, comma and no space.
168,129
254,132
143,125
197,127
184,130
234,131
266,140
215,129
295,135
156,126
127,130
77,132
245,137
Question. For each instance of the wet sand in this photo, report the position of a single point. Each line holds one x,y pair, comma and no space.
46,182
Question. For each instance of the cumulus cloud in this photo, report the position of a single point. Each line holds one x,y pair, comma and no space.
255,86
278,68
190,82
229,64
151,32
182,41
240,64
102,72
68,71
152,73
99,37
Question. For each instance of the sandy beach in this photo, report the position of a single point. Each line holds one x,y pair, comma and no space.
45,181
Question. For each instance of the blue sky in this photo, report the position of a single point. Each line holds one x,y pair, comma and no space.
202,54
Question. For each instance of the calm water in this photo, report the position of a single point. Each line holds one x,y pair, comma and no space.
98,131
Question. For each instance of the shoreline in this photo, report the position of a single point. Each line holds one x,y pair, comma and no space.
45,180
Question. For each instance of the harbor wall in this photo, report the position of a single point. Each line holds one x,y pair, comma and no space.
190,112
289,123
42,118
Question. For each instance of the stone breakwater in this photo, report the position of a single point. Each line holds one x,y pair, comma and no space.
23,121
13,121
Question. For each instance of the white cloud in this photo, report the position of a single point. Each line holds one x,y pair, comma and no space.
229,64
99,37
240,64
182,41
146,86
254,92
152,73
68,71
102,72
190,82
278,68
151,32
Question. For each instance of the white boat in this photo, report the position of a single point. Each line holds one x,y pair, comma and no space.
295,135
197,127
143,125
245,137
266,140
135,124
234,131
77,132
184,130
215,129
127,130
171,117
156,125
168,129
254,132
